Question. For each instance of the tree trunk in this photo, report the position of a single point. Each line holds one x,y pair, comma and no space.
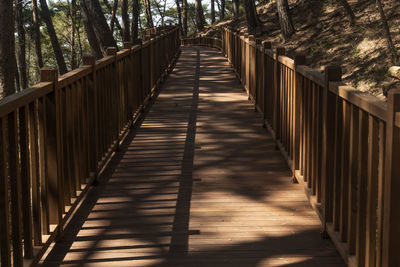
36,33
253,22
53,37
200,20
73,9
91,35
285,19
390,46
178,10
135,20
236,8
349,11
212,11
113,15
7,48
125,21
113,21
99,24
21,51
222,11
149,17
184,17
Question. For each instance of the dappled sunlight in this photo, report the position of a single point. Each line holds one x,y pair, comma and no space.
197,183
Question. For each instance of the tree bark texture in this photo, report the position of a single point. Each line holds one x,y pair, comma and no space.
235,8
252,19
7,48
101,30
21,51
349,11
184,17
390,46
113,16
36,33
73,9
135,20
125,21
285,19
200,20
178,10
149,17
62,67
91,35
222,11
212,11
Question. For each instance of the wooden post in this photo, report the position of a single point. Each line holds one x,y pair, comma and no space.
266,45
53,154
279,51
112,51
332,74
90,60
391,215
128,45
5,249
299,59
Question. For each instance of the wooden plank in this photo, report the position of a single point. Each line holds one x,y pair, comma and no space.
183,200
345,167
15,188
363,131
353,179
5,238
391,218
25,181
372,189
338,161
35,172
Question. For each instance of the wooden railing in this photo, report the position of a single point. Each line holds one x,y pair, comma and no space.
56,137
341,144
203,41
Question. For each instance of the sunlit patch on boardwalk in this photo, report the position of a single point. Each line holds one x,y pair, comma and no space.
198,184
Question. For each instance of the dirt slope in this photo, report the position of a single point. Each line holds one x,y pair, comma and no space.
325,35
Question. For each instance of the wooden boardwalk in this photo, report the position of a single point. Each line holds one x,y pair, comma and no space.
198,184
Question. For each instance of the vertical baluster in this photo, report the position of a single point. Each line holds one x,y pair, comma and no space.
35,173
363,135
329,111
25,181
391,202
5,256
15,187
372,190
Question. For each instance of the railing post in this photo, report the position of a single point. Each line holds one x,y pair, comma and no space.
297,118
53,153
279,51
252,68
391,194
90,60
332,74
115,95
266,45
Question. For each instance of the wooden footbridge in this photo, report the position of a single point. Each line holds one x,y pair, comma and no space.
168,154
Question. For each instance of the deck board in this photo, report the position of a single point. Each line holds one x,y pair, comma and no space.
199,183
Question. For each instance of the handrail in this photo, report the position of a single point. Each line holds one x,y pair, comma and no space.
57,136
342,145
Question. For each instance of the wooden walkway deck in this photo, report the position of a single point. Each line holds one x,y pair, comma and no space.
198,184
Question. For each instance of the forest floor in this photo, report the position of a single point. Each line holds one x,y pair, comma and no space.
325,36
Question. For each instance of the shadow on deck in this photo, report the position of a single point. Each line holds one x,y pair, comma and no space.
198,182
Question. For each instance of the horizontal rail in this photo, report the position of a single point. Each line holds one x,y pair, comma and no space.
57,136
341,144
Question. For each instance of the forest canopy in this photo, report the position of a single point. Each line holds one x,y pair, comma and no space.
57,33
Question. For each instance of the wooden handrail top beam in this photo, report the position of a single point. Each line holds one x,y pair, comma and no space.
24,97
364,101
